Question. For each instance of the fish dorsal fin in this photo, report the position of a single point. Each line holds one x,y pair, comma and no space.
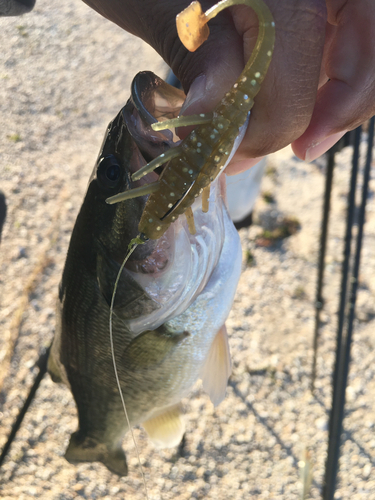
217,368
167,428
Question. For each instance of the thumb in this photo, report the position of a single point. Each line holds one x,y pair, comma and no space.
207,74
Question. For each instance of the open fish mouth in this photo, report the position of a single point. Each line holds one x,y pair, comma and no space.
172,270
152,100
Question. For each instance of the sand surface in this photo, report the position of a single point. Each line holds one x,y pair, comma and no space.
64,74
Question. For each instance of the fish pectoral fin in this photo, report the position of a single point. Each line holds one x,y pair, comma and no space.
166,429
151,348
217,368
90,450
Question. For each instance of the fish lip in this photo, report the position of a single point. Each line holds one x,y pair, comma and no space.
152,99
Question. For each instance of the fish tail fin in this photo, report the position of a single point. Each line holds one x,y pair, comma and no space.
87,449
166,429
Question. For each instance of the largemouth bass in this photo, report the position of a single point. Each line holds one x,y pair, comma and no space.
173,296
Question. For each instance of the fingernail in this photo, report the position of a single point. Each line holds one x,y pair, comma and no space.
317,149
196,92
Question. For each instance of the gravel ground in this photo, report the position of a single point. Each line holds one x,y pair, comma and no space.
65,72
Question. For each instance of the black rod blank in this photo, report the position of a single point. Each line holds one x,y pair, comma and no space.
319,301
344,338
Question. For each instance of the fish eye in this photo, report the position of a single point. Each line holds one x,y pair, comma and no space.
109,172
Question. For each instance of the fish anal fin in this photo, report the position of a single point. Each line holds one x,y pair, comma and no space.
166,429
217,368
90,450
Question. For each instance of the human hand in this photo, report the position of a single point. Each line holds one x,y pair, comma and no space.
346,95
316,40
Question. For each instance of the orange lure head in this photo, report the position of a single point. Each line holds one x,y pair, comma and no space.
192,26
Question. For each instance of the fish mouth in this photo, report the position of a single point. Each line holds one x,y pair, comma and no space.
174,269
152,100
159,258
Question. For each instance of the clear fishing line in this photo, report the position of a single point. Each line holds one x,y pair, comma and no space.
132,246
